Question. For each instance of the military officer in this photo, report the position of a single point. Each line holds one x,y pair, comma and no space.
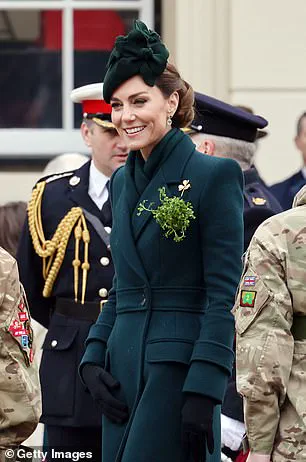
223,130
67,270
287,189
270,314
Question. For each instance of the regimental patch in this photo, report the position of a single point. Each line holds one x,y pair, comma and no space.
249,281
21,330
247,298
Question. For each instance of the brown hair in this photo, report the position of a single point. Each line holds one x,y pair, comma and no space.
170,81
12,217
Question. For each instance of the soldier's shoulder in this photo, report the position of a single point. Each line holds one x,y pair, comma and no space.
56,179
55,185
6,260
281,225
7,264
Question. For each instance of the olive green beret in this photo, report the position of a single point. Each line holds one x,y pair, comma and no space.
141,52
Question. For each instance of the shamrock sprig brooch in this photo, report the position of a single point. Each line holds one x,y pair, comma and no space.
173,214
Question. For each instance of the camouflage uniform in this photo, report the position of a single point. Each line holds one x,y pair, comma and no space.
270,313
20,404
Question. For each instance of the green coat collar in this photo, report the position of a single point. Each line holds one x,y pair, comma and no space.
171,171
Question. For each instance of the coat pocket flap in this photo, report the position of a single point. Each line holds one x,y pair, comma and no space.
169,351
249,303
60,338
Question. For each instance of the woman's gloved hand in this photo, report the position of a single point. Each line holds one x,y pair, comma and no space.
197,427
100,385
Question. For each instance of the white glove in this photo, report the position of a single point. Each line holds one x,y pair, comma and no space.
232,432
224,458
258,458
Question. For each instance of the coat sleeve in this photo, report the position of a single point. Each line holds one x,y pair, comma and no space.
31,276
221,222
263,313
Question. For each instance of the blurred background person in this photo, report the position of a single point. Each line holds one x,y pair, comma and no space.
261,133
222,130
287,189
67,270
12,216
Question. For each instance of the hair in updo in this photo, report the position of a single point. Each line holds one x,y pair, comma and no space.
170,81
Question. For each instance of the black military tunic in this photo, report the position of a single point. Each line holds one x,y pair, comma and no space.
259,204
65,401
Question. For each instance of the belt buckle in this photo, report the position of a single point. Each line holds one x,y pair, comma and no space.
102,302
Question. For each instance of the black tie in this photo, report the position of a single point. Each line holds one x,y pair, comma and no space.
106,210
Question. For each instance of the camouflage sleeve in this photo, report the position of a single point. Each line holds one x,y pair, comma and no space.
263,313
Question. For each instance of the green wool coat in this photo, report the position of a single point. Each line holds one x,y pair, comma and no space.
167,328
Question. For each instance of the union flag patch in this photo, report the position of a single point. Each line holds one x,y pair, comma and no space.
249,281
247,298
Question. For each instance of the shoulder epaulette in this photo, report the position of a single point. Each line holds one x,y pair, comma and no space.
57,176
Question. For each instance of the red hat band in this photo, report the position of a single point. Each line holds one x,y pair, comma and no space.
96,106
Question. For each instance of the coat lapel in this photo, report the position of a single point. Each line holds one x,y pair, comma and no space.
129,230
129,250
170,172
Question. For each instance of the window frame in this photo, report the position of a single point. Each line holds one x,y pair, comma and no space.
40,143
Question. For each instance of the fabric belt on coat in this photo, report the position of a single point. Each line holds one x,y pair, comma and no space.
161,299
298,329
89,311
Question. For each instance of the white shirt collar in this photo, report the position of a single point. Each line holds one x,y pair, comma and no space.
97,180
304,171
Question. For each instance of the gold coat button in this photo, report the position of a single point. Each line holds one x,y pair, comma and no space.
54,343
103,293
104,261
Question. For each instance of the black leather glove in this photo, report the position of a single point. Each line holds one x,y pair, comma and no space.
197,427
100,384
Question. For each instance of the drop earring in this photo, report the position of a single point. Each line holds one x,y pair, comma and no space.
169,120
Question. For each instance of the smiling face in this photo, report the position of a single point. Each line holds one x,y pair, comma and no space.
140,113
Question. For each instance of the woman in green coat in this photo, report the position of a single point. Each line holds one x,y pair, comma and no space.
160,354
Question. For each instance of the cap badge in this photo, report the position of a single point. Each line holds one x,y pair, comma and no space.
74,180
258,200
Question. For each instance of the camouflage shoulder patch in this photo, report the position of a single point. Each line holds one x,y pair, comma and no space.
247,298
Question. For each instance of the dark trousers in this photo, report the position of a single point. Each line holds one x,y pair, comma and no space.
73,439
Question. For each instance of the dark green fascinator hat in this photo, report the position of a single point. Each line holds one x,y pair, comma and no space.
141,52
